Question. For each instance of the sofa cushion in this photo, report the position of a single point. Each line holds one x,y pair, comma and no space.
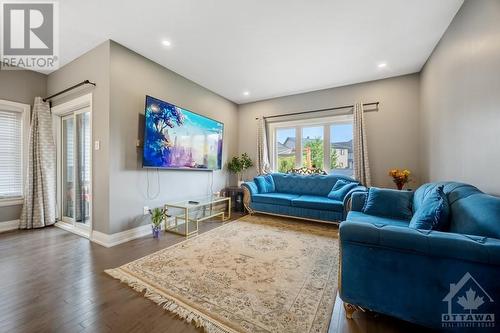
471,211
389,203
433,213
284,199
453,190
376,220
317,202
306,184
340,189
265,184
477,214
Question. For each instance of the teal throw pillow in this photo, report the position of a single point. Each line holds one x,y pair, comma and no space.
433,213
265,184
388,203
340,189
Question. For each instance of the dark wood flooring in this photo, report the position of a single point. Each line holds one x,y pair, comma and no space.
53,281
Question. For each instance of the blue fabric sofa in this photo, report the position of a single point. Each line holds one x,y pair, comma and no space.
300,196
419,276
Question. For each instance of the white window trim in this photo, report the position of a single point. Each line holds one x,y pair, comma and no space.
25,128
298,125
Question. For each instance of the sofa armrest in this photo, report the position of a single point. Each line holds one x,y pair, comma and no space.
347,199
252,187
249,189
351,192
358,200
425,242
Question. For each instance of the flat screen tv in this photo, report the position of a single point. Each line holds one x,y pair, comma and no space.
176,138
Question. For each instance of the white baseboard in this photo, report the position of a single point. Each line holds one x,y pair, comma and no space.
9,225
69,227
96,237
120,237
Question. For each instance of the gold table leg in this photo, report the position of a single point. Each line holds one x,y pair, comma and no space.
186,220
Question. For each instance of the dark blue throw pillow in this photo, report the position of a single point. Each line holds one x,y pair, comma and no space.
340,189
388,203
265,184
433,213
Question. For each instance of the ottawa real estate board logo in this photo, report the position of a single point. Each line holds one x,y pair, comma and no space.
469,305
30,38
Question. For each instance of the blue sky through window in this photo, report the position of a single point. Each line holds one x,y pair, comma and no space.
338,133
283,133
312,132
341,133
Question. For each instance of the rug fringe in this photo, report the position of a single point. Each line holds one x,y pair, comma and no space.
166,303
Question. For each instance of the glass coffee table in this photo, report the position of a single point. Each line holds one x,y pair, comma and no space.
185,215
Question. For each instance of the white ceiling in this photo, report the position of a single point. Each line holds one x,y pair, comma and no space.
267,47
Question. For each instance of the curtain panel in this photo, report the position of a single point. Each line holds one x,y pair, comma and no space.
360,146
263,165
39,209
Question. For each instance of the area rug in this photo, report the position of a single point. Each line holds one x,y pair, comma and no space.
256,274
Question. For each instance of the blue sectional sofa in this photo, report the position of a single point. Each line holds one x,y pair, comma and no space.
299,196
425,276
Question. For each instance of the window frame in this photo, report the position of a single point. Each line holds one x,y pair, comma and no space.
71,108
298,125
25,110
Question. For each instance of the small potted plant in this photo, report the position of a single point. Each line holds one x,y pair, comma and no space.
157,217
400,177
238,165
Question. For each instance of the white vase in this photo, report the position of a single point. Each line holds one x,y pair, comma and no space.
240,182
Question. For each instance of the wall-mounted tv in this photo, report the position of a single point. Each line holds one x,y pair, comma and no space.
176,138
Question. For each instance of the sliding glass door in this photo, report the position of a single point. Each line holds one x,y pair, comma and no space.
75,166
68,159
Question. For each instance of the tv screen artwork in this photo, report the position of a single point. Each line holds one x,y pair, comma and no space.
177,138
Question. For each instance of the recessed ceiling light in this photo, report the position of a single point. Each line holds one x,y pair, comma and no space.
246,93
382,65
166,43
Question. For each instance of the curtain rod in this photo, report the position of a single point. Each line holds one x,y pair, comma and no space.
321,110
69,89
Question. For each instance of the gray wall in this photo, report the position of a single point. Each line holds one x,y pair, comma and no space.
460,113
123,79
19,86
392,133
93,66
132,77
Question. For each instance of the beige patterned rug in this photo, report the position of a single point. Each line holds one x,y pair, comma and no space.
256,274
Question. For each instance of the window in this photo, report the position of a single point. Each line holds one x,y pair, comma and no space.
324,143
341,148
312,147
285,149
13,137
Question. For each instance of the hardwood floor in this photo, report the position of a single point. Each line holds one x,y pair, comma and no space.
53,281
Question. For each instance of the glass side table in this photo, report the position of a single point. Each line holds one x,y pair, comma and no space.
193,211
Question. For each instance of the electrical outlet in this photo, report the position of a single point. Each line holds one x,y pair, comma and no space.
146,210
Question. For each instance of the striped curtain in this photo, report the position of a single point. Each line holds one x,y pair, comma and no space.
263,165
39,209
361,163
